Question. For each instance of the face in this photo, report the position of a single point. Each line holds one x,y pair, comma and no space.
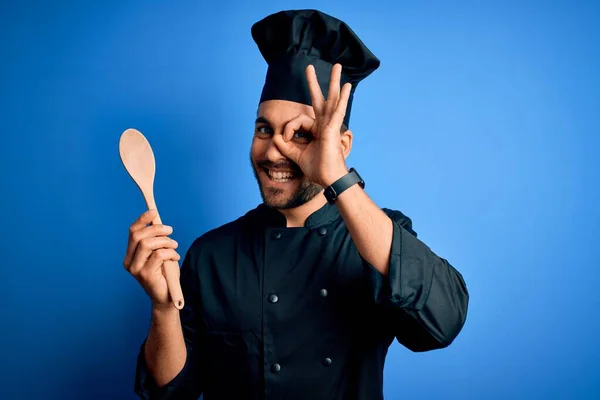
281,182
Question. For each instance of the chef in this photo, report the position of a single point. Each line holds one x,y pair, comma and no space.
301,297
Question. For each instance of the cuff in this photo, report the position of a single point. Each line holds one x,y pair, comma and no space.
410,274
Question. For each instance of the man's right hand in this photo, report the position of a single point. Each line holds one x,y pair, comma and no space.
147,249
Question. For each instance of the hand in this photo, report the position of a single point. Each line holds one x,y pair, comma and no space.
322,160
147,249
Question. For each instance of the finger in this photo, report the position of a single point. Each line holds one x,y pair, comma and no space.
302,122
138,235
145,252
157,242
141,234
334,88
155,262
288,149
140,223
340,112
143,220
147,249
316,94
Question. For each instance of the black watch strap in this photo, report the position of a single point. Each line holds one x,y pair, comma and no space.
351,178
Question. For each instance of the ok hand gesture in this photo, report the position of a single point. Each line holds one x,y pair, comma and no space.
322,159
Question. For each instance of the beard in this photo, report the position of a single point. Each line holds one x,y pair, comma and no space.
272,196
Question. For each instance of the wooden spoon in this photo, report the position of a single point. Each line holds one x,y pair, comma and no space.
138,159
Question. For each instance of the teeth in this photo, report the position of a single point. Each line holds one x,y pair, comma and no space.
280,176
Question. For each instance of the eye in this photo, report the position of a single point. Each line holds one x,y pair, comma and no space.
303,137
263,131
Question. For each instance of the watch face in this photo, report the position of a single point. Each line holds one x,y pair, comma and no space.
329,193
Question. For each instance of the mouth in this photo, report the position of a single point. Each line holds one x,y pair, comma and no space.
281,176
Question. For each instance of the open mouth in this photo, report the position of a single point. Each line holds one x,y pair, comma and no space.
281,176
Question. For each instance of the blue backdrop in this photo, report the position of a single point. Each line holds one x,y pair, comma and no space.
482,125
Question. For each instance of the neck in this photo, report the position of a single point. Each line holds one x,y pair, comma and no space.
296,217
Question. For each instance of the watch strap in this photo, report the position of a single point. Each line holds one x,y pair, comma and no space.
338,187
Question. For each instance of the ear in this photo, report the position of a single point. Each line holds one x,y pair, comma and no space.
346,139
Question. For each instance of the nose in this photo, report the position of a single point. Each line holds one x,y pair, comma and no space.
273,154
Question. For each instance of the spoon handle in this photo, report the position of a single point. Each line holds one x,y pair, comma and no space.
171,269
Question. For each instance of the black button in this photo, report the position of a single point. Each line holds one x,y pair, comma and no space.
327,361
323,292
322,231
275,368
273,298
276,235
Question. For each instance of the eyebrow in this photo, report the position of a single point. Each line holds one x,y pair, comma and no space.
262,120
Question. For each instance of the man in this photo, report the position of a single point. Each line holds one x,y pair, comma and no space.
301,297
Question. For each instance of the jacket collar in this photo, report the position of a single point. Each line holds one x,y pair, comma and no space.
272,217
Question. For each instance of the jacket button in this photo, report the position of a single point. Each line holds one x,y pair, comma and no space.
275,368
276,235
327,361
273,298
322,231
323,292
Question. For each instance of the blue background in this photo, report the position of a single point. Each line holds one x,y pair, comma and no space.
482,125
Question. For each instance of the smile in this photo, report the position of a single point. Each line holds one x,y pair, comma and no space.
280,176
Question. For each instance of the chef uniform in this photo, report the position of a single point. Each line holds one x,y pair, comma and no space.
274,312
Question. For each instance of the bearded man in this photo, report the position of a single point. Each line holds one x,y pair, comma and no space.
301,297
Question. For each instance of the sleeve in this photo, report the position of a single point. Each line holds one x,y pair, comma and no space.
188,383
424,297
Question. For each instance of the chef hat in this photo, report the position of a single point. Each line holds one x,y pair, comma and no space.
291,40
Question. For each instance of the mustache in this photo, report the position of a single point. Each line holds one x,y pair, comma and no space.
279,165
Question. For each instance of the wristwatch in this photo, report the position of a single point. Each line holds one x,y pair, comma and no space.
336,188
